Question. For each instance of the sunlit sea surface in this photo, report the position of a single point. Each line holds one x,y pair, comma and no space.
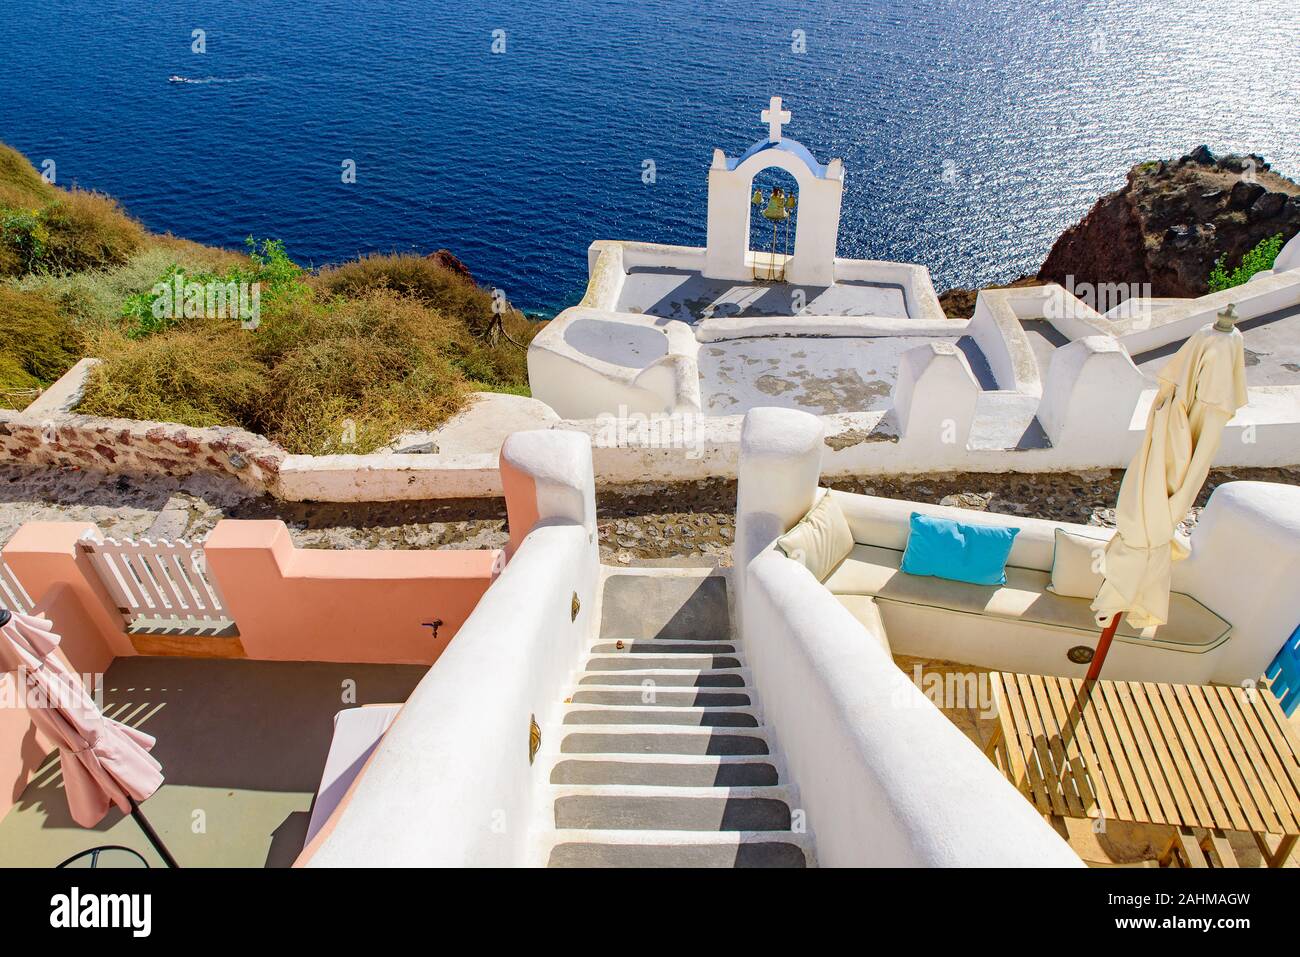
973,132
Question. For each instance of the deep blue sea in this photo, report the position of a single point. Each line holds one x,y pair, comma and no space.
973,131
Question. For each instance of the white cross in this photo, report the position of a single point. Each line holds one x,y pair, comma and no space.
775,118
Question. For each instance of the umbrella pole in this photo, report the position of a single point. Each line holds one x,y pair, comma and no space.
1103,646
151,834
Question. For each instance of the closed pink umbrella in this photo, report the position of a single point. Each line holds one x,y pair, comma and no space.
104,762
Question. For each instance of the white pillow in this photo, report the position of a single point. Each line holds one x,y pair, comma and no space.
1078,565
821,539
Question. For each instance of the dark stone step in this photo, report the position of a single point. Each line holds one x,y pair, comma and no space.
595,742
748,774
646,606
653,695
723,680
686,663
721,636
753,854
662,648
709,719
626,812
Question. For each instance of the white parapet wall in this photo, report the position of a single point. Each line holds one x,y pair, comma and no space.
452,783
935,394
1244,564
884,777
1090,394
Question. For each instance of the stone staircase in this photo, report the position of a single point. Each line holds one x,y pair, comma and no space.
662,759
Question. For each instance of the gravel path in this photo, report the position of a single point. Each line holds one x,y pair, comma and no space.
690,523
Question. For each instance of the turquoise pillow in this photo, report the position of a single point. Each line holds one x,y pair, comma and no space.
943,548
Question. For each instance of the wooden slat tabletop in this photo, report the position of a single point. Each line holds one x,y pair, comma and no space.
1187,755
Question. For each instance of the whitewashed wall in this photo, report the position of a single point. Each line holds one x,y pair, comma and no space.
884,777
451,785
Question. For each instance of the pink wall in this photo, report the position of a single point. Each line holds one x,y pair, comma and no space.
521,502
290,604
45,554
304,604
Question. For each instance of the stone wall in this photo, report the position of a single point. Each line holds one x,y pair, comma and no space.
49,432
130,446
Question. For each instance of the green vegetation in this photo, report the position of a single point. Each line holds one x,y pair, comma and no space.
1256,260
338,362
279,279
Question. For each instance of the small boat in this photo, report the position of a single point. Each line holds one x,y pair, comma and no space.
176,79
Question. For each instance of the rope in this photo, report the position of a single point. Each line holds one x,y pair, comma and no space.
498,325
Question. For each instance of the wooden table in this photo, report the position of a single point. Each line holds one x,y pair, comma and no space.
1189,756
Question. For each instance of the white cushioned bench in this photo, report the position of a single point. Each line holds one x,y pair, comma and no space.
1019,626
874,571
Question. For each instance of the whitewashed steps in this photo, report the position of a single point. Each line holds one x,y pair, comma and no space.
680,849
725,771
661,758
730,678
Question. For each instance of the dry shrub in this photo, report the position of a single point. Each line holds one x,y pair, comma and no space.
50,229
346,377
89,231
376,362
428,282
94,297
18,387
21,186
376,347
489,358
203,374
195,257
35,335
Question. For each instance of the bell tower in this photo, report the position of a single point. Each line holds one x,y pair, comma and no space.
817,224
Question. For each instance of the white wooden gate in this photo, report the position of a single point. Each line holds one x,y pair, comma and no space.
158,585
12,594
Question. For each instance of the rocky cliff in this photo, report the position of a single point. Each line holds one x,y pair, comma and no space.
1167,225
1173,219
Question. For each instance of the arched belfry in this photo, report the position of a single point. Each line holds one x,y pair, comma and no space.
817,224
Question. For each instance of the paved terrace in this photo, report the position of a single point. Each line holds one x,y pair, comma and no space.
682,295
823,376
1272,349
242,741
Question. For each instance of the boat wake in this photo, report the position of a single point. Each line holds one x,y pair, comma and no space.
200,80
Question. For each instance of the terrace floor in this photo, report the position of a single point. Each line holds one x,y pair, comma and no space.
685,296
823,376
1272,349
1121,842
242,745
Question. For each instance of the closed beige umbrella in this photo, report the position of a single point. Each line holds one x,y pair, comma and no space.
1201,389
